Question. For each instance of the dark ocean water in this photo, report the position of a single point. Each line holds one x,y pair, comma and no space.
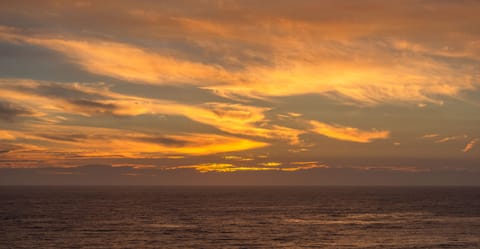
239,217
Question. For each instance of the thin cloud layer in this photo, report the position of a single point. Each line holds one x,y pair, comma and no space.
470,145
387,70
228,167
9,111
79,141
97,99
346,133
260,87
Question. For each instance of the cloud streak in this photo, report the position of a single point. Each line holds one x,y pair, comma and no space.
229,168
470,145
9,111
98,99
346,133
300,64
76,141
232,86
451,138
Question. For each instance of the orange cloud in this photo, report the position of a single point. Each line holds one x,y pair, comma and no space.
105,142
430,136
452,138
383,52
304,162
346,133
271,164
238,158
209,167
470,145
241,119
301,63
7,135
97,99
227,167
131,63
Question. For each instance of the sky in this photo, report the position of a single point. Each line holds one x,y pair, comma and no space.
240,92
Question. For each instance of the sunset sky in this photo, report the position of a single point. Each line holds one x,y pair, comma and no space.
241,92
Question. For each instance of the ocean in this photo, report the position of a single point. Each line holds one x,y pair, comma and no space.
239,217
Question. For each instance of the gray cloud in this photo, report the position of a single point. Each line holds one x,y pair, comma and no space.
79,97
93,107
9,111
64,137
67,91
164,141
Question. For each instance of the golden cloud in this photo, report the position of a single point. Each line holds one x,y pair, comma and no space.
451,138
227,167
271,164
346,133
302,63
85,141
470,145
97,99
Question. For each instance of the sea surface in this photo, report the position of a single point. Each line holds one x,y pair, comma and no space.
240,217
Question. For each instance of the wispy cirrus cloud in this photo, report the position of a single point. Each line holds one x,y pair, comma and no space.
469,146
297,65
124,61
432,135
346,133
271,164
237,77
8,135
108,142
451,138
98,99
228,167
9,111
